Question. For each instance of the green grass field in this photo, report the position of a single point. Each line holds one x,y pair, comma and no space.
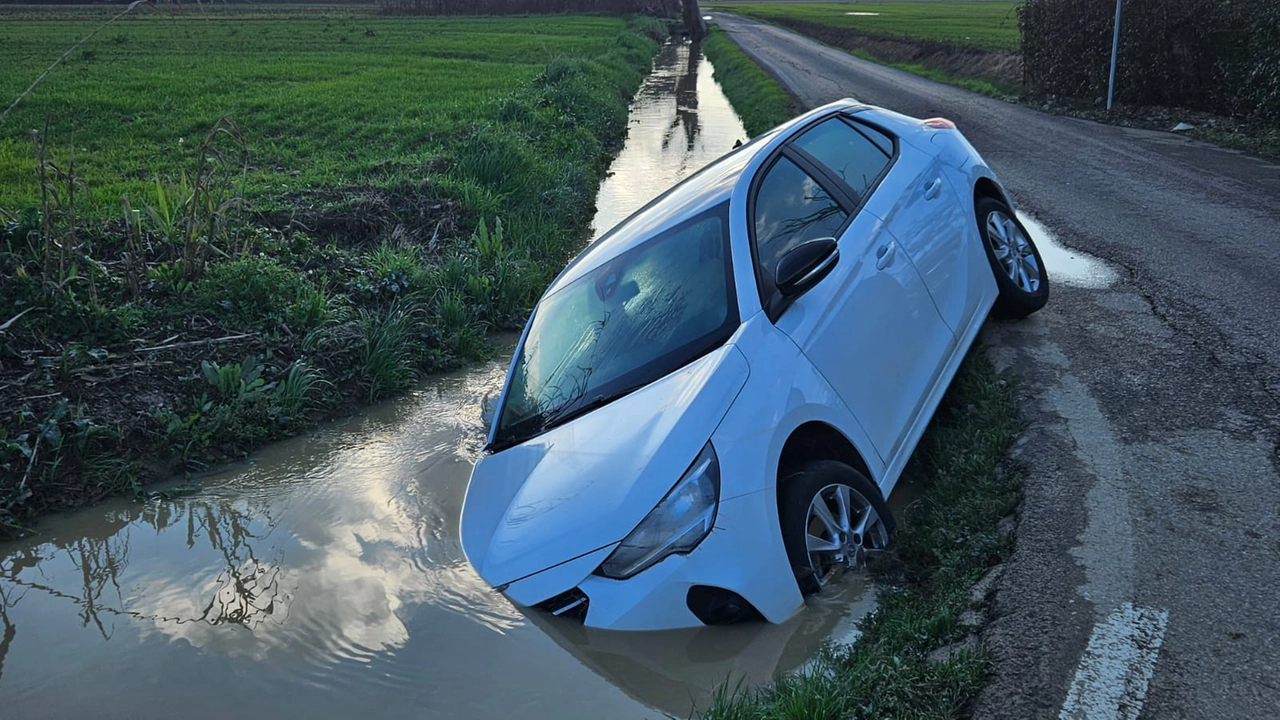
379,193
986,25
325,98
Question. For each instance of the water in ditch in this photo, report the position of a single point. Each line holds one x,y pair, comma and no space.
323,577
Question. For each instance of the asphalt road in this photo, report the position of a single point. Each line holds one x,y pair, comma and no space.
1153,466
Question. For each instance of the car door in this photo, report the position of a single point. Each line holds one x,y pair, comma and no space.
923,211
869,327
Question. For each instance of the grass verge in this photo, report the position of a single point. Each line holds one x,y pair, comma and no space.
992,88
913,658
760,102
973,45
946,541
985,25
202,250
976,46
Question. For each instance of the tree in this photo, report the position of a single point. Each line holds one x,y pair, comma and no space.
693,21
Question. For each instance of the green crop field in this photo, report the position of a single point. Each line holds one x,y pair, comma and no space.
220,225
326,97
987,25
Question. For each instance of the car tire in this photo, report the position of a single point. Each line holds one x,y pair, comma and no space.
1015,261
804,528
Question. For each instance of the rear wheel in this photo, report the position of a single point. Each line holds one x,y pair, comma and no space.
831,516
1015,261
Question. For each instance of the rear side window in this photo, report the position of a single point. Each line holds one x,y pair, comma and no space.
791,207
857,155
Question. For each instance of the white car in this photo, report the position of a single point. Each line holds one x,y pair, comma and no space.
709,405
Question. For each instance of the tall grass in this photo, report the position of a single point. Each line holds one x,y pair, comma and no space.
384,362
358,212
200,213
761,101
299,388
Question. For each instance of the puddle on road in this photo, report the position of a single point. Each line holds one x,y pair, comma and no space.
324,578
1067,266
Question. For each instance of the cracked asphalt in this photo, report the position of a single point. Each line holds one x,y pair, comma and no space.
1152,456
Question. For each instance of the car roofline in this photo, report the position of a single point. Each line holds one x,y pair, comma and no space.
717,182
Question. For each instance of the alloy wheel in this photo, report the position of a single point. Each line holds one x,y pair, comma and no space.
841,526
1013,251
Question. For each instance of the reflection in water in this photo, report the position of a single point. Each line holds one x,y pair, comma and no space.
1067,266
677,671
319,580
680,121
324,577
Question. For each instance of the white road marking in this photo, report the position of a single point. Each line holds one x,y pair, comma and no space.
1111,681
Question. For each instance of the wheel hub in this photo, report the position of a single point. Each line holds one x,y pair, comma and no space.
838,526
1013,251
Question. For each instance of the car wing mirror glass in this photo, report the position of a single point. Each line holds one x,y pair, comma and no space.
804,265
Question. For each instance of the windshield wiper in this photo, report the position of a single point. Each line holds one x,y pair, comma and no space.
570,411
558,416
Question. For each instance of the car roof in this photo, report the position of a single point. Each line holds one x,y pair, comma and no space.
704,189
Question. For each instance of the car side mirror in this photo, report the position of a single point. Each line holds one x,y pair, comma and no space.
805,265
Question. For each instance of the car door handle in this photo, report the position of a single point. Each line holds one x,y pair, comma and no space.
932,189
884,255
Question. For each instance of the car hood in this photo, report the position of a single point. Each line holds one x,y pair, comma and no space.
587,483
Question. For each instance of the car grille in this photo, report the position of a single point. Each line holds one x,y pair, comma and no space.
569,604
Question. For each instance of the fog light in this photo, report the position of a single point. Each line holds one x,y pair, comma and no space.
717,606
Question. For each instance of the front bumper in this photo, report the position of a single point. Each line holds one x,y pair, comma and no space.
743,557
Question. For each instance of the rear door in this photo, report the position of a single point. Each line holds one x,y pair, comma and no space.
923,211
869,327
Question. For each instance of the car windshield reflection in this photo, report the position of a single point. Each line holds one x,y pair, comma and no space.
634,319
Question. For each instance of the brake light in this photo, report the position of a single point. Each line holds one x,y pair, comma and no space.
939,124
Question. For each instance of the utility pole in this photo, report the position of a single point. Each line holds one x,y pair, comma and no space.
1115,51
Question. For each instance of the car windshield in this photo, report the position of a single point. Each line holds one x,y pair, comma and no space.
637,317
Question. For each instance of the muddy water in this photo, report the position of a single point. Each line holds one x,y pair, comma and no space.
323,578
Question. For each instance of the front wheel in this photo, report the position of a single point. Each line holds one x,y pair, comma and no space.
1019,270
831,516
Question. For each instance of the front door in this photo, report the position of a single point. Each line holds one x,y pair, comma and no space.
870,326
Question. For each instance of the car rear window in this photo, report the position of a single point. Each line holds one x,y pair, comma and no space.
856,155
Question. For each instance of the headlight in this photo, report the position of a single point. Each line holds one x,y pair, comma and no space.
676,525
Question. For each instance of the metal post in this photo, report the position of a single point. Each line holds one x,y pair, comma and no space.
1115,50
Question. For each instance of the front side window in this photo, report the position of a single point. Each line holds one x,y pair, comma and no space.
629,322
790,208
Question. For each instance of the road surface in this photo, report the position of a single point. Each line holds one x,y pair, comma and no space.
1146,580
